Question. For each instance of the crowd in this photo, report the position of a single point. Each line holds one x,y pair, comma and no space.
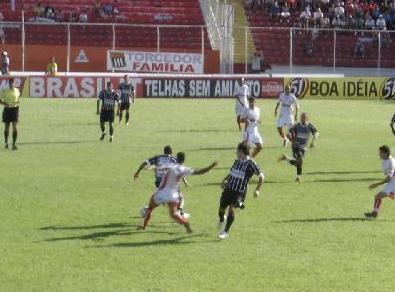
351,14
100,10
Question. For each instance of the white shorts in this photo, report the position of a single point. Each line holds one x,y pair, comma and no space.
285,121
166,196
252,138
239,108
389,188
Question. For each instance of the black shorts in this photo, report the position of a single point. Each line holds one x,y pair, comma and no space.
298,152
231,198
125,106
10,114
107,116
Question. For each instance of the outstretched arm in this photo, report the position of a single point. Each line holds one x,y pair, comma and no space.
224,182
206,169
142,166
296,111
384,181
98,106
259,185
393,128
276,109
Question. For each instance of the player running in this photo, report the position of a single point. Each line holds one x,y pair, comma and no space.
251,118
241,94
159,162
234,188
392,124
10,99
299,134
169,190
107,97
127,93
388,167
288,112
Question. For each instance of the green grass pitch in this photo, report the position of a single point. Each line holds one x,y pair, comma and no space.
69,207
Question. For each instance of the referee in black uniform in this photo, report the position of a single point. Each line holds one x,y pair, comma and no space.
107,97
235,188
126,90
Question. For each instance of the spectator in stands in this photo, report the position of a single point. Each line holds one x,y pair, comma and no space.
285,13
115,10
49,12
304,17
248,4
264,64
2,34
308,47
337,22
256,63
339,10
107,9
275,10
97,8
359,22
359,51
380,23
39,10
350,22
59,16
318,16
369,22
5,63
52,68
83,16
74,16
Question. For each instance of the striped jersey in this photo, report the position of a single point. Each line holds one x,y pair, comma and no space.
126,90
108,99
301,134
393,119
161,161
240,174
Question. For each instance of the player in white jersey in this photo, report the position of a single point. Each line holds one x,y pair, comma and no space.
388,167
169,191
288,112
251,117
241,93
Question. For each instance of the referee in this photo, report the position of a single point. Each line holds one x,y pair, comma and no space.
10,99
235,188
127,95
107,98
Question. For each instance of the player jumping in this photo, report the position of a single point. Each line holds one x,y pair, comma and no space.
388,167
160,162
299,134
251,118
242,93
234,188
107,97
288,113
392,124
169,189
127,96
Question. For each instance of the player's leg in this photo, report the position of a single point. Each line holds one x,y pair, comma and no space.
152,205
238,119
173,211
281,132
229,221
127,116
376,205
6,133
223,205
120,114
111,126
102,126
14,135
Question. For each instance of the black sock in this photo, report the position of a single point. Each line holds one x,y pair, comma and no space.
6,136
229,221
103,128
221,214
127,117
14,137
292,162
120,117
111,130
299,169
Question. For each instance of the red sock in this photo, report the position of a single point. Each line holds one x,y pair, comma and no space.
147,217
377,204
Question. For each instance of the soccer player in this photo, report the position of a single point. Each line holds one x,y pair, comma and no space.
299,134
52,68
160,162
127,95
242,92
392,124
169,189
107,97
288,113
234,188
388,167
10,99
251,118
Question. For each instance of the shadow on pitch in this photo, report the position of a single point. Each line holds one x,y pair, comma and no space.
58,142
345,180
341,172
181,240
319,220
84,227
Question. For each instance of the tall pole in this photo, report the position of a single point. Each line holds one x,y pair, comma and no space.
113,42
334,50
379,52
23,40
290,49
158,38
203,46
68,47
245,50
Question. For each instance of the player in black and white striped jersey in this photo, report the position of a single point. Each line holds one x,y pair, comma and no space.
107,97
392,124
235,188
127,94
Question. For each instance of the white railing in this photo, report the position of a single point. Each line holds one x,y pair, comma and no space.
210,14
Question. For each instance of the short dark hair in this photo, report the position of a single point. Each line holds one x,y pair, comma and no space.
167,150
109,83
11,80
244,148
180,157
385,149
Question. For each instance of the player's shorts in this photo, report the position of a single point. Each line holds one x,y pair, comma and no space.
165,196
10,115
125,106
297,151
231,198
252,138
107,116
239,109
389,189
285,121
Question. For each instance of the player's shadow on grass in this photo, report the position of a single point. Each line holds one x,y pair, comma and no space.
332,180
199,131
100,226
58,142
319,220
341,172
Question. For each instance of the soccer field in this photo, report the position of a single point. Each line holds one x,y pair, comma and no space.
69,207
